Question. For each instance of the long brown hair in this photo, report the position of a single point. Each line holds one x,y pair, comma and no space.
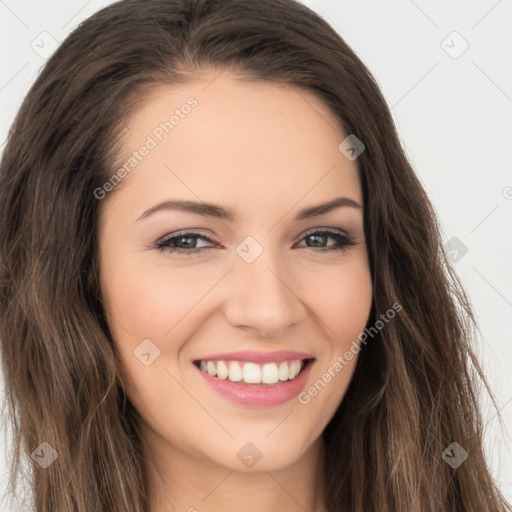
416,386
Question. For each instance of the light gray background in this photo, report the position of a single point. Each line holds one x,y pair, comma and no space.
453,113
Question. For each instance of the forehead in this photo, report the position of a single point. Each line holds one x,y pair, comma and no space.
233,140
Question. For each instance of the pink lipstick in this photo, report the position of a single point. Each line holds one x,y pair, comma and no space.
256,379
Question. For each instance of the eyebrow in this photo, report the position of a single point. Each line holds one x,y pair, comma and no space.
216,211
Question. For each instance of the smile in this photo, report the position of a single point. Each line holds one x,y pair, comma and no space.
266,383
249,372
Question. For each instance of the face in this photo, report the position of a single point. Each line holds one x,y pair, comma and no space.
205,302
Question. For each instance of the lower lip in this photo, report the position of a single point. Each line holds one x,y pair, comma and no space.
259,396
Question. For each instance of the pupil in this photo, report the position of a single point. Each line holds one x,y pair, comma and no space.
190,239
316,239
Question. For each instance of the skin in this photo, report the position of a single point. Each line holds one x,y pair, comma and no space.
265,151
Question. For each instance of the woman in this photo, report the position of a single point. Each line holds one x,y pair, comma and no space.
226,279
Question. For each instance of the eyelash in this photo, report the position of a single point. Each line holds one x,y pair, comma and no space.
343,241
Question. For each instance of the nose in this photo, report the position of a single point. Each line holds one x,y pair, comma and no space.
262,297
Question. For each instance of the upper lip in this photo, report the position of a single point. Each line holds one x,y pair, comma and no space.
257,357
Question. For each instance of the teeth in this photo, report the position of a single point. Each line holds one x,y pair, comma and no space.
235,372
294,369
211,368
252,373
283,371
269,373
222,370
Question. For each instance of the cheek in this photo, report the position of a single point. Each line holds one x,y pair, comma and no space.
342,305
342,301
148,302
152,302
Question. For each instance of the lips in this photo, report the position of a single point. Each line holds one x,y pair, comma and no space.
257,357
256,378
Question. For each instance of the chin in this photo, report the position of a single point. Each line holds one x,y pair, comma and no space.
258,455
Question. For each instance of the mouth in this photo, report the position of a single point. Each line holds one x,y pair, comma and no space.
256,379
251,373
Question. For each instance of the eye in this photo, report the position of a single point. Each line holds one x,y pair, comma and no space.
320,238
187,242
